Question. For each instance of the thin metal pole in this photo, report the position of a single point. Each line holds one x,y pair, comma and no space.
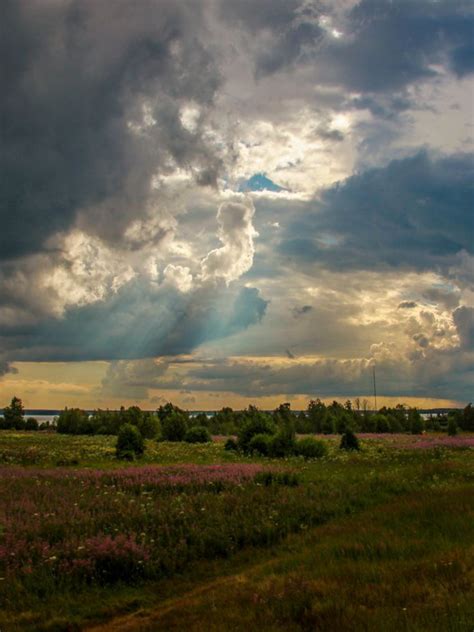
375,389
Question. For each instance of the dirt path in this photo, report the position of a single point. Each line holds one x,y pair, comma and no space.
147,619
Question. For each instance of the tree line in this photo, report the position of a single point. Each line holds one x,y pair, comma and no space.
171,423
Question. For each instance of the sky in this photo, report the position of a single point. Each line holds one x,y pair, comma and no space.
225,202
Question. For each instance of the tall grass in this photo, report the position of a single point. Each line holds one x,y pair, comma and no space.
406,565
75,539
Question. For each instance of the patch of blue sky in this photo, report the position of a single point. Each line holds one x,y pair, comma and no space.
260,182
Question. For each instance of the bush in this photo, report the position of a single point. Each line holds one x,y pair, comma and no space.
260,444
349,441
281,445
130,443
197,434
254,423
231,445
310,448
174,426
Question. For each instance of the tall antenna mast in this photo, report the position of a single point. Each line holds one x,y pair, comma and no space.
375,389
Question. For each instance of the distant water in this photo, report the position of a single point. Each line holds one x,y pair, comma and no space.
41,418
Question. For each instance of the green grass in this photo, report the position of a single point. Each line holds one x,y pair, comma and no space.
52,449
405,565
377,540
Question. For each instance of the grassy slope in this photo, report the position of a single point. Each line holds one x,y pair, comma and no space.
394,552
406,565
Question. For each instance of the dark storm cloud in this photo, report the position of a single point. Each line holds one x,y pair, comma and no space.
444,374
464,320
407,305
393,44
385,45
415,213
462,58
74,75
447,297
138,322
386,107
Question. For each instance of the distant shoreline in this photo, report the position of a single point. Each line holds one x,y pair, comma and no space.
45,412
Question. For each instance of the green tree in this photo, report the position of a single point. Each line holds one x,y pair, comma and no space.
223,422
14,414
317,414
467,418
31,424
253,422
382,423
73,421
452,427
415,421
148,425
283,442
174,426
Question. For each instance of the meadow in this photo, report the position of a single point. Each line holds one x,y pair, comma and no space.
193,536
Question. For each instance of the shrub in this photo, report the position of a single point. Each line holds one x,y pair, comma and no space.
260,444
281,445
197,434
310,448
452,427
231,445
130,443
254,423
349,441
174,426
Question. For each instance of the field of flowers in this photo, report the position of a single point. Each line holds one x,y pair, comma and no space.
82,536
62,528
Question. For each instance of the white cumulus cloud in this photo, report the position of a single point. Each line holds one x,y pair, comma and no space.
236,232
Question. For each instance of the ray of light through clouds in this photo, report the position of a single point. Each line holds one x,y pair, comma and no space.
234,201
